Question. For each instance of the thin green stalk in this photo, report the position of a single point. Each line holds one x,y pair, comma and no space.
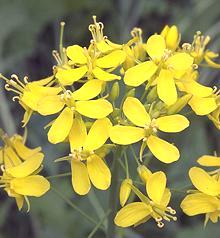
135,156
126,165
113,195
71,204
97,206
59,175
92,233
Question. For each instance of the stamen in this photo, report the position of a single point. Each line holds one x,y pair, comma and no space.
15,77
15,98
57,57
160,224
26,79
7,87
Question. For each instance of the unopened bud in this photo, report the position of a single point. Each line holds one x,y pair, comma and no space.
144,173
179,105
152,95
125,191
131,93
114,92
172,38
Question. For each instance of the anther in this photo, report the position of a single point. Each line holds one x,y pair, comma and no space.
160,224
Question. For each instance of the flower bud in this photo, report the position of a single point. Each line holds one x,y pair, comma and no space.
125,191
152,95
172,38
114,92
179,104
144,173
131,93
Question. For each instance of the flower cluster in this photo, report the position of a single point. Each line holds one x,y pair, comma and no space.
107,97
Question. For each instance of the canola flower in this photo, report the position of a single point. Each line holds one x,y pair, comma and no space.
105,97
20,166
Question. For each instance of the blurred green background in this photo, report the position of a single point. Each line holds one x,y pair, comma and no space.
29,31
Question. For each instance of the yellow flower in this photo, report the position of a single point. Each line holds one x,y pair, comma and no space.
86,163
200,53
169,65
29,93
204,200
96,62
146,128
171,36
154,205
100,41
71,103
214,116
19,171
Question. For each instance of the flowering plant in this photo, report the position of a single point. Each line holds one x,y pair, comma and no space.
107,98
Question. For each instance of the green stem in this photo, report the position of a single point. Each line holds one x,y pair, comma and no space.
113,195
92,233
135,156
59,175
126,165
69,202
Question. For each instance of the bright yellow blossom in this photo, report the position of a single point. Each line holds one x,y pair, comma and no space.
29,93
69,103
163,60
146,129
154,205
204,200
20,169
86,163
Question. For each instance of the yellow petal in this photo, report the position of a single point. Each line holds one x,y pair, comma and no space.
156,185
125,135
172,123
125,190
202,106
94,108
69,76
103,75
180,61
166,87
111,60
155,47
77,135
199,203
61,126
89,90
208,160
80,177
98,134
10,158
76,54
144,173
166,198
163,150
131,214
34,185
99,172
135,111
104,47
23,151
31,99
50,105
204,182
27,167
140,73
197,89
43,90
